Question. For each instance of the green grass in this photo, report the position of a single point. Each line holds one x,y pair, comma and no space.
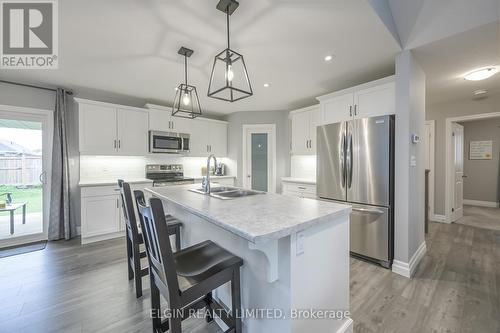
32,195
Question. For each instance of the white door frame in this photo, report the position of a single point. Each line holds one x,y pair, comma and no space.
46,117
449,170
432,178
270,130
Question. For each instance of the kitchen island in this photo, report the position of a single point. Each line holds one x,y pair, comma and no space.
295,276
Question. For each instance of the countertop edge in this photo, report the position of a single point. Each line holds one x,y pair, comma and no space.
111,182
298,180
257,239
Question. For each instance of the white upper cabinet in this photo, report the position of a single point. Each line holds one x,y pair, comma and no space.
375,101
367,100
303,138
132,132
98,131
160,119
337,109
217,138
108,129
198,140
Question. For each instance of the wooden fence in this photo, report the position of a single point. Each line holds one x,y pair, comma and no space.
20,170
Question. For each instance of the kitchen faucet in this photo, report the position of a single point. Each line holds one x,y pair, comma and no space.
206,180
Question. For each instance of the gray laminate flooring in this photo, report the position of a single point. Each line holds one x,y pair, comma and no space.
481,217
73,288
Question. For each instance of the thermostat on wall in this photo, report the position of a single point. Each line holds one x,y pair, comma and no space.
415,138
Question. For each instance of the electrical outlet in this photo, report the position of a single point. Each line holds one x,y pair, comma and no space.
300,242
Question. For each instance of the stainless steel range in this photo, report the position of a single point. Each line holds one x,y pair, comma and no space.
167,175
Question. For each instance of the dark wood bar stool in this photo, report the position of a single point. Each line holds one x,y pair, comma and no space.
135,238
206,266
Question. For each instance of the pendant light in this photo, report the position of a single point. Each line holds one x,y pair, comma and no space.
229,79
186,102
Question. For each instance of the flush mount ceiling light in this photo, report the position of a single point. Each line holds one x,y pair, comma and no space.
266,85
481,74
186,102
229,79
328,58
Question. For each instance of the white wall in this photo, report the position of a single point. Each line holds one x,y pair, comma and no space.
409,182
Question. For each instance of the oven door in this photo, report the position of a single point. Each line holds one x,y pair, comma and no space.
164,142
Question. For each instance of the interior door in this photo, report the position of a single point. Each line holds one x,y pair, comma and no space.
368,173
330,162
458,162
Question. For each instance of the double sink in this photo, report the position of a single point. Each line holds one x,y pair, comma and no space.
227,192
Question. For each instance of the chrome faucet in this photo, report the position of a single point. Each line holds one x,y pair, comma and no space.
206,180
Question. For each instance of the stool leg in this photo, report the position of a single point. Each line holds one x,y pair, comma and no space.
175,324
236,299
137,270
129,255
24,214
155,306
11,222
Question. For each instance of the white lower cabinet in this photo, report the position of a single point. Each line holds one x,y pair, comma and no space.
300,190
102,213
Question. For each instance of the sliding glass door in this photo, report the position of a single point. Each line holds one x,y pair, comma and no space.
25,157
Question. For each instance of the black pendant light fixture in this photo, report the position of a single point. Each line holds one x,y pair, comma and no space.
229,80
186,102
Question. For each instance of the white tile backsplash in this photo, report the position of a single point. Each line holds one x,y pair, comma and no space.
303,166
133,167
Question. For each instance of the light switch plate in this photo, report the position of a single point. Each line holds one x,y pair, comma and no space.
300,242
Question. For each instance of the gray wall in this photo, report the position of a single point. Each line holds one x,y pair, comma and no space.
482,175
439,112
235,137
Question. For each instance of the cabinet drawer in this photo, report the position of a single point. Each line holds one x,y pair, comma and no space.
297,187
92,191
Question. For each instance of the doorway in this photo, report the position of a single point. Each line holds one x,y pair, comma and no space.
25,159
259,157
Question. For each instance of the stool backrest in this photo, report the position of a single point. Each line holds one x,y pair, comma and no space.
157,241
128,209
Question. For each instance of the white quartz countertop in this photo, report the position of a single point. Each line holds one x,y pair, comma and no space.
299,180
108,182
212,177
257,218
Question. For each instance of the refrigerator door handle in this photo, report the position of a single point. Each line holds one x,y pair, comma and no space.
342,157
368,210
349,157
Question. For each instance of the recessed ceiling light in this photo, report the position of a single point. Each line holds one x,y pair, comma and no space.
481,73
328,57
266,85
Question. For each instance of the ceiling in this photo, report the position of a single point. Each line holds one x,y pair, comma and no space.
446,61
129,47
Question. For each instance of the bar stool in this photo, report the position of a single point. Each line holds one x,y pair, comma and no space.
206,266
135,238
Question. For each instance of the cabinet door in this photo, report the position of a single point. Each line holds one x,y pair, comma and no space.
314,121
180,125
376,101
218,139
97,126
159,120
132,132
100,215
300,133
337,109
199,138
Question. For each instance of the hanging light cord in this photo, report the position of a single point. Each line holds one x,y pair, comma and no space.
227,20
185,69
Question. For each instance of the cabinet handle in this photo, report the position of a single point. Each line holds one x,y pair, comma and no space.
119,144
173,124
302,188
114,144
355,109
117,204
350,110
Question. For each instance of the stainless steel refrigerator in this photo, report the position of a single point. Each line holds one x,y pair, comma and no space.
355,164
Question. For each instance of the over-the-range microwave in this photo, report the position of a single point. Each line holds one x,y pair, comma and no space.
168,142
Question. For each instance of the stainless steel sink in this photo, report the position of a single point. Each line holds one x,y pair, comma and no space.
226,192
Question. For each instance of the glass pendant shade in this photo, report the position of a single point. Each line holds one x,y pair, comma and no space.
229,79
186,101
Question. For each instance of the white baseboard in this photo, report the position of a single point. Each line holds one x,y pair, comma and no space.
407,269
438,218
480,203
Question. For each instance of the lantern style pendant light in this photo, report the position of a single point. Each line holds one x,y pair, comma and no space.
229,79
186,102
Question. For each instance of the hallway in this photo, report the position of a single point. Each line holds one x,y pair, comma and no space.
481,217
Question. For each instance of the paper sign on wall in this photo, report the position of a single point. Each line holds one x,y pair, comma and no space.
481,150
